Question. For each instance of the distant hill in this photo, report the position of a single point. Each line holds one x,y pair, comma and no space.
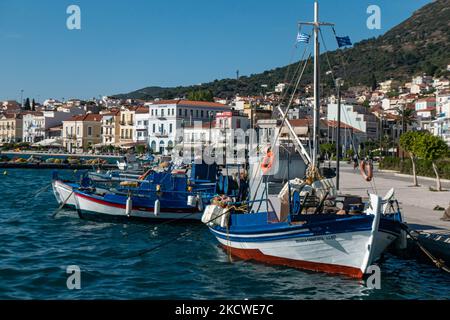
421,44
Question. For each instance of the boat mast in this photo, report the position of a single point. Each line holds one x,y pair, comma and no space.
316,124
316,129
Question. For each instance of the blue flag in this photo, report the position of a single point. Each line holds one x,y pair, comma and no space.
343,41
303,38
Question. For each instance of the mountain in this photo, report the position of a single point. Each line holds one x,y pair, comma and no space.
421,44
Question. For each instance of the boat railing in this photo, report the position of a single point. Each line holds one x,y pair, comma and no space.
261,201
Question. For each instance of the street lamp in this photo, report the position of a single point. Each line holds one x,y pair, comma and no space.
339,84
21,98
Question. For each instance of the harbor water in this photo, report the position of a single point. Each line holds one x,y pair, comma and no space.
36,249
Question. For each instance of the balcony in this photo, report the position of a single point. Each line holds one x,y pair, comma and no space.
163,134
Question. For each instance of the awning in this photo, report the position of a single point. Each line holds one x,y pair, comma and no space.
48,143
100,145
299,131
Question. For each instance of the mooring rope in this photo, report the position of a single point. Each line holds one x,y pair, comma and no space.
437,262
62,205
181,236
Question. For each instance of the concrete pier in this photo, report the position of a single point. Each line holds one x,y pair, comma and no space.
417,204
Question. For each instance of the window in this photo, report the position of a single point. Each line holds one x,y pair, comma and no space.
180,112
202,114
145,123
162,113
196,113
154,128
185,112
78,131
170,128
89,131
152,112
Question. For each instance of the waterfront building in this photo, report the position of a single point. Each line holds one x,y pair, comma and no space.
141,125
36,124
80,133
11,128
110,128
356,116
168,118
127,126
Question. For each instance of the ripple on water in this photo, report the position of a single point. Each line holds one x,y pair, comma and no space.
36,250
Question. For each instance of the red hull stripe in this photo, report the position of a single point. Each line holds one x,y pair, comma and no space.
256,255
121,206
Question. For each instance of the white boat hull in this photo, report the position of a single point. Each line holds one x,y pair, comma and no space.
344,253
94,208
63,193
348,245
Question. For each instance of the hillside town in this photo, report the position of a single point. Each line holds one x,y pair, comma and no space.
368,115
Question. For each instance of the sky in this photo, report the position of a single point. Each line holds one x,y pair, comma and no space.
123,46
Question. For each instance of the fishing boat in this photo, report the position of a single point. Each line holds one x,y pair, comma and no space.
170,194
307,225
63,189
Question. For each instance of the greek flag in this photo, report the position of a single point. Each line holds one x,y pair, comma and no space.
303,38
343,41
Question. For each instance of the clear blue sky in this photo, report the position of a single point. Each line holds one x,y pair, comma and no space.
128,45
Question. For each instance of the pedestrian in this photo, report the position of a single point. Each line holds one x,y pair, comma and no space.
355,161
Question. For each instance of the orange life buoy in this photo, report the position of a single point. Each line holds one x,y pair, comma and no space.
366,169
267,162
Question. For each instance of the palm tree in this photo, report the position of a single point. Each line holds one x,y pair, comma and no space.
407,118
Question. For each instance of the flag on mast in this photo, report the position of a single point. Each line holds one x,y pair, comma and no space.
343,41
303,38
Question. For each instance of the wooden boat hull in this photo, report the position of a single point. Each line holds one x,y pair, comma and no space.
342,253
346,245
95,207
62,191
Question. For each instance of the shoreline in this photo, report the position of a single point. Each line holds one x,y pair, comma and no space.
61,166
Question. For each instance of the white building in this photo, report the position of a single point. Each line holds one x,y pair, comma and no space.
142,120
167,117
279,88
36,124
443,103
425,104
358,117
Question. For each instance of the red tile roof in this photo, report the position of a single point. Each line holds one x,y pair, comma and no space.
334,124
87,117
142,109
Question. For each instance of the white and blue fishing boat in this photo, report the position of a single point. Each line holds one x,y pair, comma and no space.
171,194
307,225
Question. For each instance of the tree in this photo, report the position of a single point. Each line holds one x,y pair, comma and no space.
374,82
33,105
140,149
328,149
27,105
201,95
409,141
433,148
